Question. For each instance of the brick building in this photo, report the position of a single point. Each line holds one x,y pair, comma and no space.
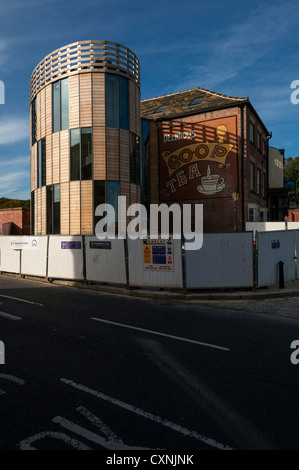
15,221
204,146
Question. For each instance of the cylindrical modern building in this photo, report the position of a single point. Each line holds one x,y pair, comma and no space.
85,135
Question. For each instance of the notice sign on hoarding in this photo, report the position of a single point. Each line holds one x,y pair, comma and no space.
100,245
71,245
24,243
158,254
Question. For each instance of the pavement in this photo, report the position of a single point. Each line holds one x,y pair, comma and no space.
290,289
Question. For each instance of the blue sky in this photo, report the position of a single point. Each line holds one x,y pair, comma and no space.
233,47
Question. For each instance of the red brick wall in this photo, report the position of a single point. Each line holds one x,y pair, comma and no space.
20,219
293,216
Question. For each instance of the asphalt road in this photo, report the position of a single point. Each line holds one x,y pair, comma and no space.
85,370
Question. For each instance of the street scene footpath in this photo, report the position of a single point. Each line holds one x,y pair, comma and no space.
289,289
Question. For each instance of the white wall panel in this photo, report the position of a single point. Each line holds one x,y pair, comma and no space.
225,260
105,260
274,247
65,257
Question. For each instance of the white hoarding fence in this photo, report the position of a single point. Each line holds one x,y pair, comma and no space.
34,254
10,256
273,247
65,258
155,262
105,260
225,260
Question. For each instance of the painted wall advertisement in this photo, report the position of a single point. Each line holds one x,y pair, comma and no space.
198,159
158,254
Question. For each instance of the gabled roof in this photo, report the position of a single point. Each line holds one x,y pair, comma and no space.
180,104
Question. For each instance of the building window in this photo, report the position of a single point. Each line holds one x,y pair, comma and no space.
53,209
251,133
195,101
145,164
259,141
117,101
264,185
75,154
134,159
251,176
160,109
32,213
250,214
264,148
41,163
81,155
112,189
33,122
99,197
258,181
262,217
86,153
60,105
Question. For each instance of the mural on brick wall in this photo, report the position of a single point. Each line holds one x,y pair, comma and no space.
198,159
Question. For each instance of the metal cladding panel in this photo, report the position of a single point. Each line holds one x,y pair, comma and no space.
34,261
105,260
65,259
139,275
10,259
274,247
225,260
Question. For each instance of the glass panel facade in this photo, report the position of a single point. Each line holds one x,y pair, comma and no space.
86,153
145,164
75,154
33,122
56,106
134,159
64,104
56,208
112,196
60,105
32,212
111,101
49,209
41,163
117,101
123,103
99,197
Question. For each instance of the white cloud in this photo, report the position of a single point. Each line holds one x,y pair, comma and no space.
14,129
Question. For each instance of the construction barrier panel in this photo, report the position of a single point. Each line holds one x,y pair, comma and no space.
273,247
155,263
10,256
105,260
34,254
225,260
65,257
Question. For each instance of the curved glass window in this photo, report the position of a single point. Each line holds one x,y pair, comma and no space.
60,105
117,101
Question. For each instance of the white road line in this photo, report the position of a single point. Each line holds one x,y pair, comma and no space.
21,300
2,392
9,316
12,378
162,334
145,414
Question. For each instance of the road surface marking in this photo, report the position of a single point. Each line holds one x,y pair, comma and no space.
21,300
12,378
162,334
2,392
27,443
91,436
9,316
145,414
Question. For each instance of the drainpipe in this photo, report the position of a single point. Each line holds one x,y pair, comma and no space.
269,136
242,107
